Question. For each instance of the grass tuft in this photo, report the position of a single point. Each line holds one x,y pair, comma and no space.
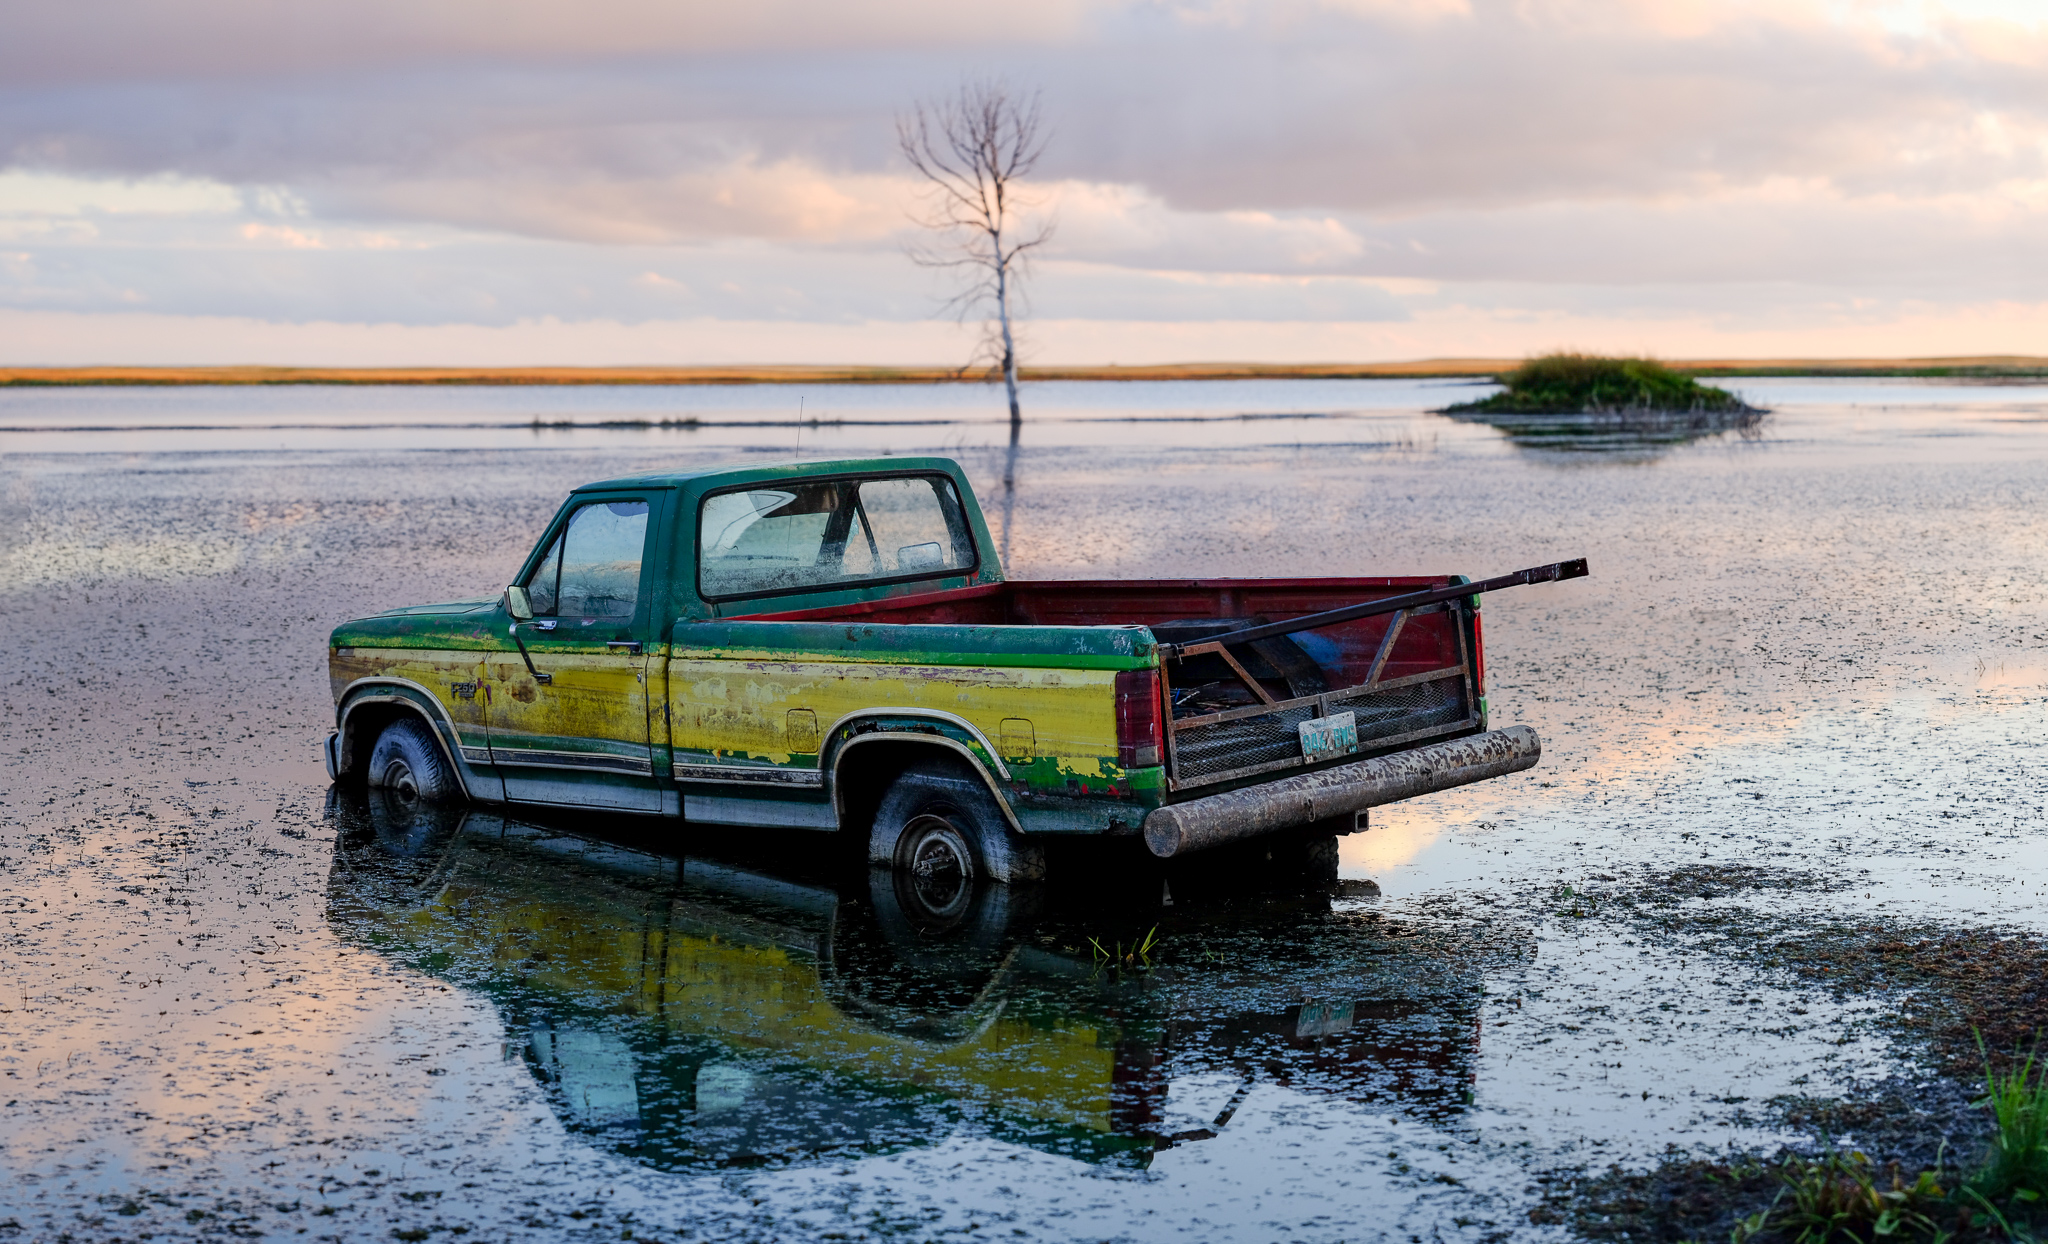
1117,955
2016,1165
1839,1196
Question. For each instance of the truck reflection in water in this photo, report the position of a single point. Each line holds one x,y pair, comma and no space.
690,1013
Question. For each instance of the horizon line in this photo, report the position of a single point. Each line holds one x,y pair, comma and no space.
1987,366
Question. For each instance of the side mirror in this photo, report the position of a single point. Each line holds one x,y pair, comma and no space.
920,557
517,605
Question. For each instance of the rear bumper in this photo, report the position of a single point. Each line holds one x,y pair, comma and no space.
1291,803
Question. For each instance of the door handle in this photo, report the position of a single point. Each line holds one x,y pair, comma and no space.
632,646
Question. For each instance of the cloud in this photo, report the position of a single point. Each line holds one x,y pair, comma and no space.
788,200
1287,105
1357,161
130,40
1122,224
63,338
1530,104
283,234
25,194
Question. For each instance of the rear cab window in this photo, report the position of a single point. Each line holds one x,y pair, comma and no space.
803,535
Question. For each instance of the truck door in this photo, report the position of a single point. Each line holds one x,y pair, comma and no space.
568,718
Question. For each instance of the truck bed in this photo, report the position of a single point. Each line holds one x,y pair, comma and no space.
1428,684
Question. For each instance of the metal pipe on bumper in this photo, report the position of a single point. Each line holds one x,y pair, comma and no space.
1291,803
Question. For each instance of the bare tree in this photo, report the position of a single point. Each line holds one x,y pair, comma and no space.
973,147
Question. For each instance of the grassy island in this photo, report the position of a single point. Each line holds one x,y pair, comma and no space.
1588,384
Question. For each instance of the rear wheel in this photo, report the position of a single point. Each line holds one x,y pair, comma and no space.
1319,858
1311,856
936,866
939,825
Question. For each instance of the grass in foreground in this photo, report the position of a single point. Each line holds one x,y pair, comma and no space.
1961,1155
1581,384
2015,1171
1840,1195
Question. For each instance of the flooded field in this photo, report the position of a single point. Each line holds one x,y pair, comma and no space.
1783,856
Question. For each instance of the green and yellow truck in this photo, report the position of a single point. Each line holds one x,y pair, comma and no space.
833,646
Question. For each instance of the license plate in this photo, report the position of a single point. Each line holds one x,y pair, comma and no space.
1323,1019
1325,737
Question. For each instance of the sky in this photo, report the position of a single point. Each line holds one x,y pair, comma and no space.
492,182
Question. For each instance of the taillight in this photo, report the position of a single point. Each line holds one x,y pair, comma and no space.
1478,655
1137,718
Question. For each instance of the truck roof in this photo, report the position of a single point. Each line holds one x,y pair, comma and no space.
749,472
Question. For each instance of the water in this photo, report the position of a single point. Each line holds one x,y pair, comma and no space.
1804,685
830,418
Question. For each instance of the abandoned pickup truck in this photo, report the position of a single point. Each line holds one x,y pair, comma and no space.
833,646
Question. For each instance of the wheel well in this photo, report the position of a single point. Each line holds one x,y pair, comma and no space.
361,726
867,768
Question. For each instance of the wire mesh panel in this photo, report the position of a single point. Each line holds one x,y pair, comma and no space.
1217,750
1207,751
1383,714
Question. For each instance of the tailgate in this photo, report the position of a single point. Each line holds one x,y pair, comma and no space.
1237,711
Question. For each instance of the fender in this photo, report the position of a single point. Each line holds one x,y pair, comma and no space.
384,689
900,725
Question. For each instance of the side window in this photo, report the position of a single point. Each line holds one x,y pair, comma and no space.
593,569
540,589
788,537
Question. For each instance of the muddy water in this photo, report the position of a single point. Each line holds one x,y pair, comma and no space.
1806,683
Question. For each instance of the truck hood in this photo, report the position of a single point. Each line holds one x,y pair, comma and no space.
448,607
461,624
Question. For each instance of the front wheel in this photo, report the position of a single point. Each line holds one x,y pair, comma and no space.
407,762
940,825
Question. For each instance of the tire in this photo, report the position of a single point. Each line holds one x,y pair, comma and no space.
1319,859
1312,857
391,855
407,826
408,764
940,824
930,976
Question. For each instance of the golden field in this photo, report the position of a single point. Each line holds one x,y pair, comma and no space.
1989,366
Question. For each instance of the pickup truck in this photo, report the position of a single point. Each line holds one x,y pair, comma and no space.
833,646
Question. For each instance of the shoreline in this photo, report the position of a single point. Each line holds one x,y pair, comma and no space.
1970,367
